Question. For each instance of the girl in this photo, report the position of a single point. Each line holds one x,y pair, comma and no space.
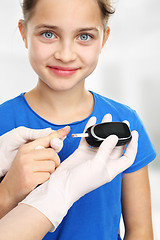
64,40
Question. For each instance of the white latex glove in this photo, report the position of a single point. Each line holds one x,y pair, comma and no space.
85,170
12,140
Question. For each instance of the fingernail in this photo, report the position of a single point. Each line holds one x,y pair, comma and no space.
39,147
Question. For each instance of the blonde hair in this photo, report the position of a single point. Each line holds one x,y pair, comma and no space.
105,6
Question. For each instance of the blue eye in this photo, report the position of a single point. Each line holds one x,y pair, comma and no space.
85,37
48,35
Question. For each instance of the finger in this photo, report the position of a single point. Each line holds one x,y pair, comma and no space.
131,149
91,122
32,134
41,178
128,159
22,135
57,144
117,152
44,166
125,121
107,118
60,133
45,141
39,147
46,154
106,148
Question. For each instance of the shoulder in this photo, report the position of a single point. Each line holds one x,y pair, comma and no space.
119,111
12,103
9,110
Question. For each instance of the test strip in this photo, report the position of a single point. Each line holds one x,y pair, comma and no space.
80,135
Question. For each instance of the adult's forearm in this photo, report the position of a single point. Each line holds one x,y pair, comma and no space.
24,222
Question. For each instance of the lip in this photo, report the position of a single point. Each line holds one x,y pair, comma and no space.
63,71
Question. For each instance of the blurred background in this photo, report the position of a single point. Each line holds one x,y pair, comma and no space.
128,70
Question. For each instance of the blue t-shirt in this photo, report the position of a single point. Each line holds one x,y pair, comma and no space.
96,215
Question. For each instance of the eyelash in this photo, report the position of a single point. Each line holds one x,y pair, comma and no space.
54,36
86,34
48,32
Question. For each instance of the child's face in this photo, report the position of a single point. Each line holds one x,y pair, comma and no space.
64,39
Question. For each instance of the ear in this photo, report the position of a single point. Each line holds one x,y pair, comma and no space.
106,36
22,29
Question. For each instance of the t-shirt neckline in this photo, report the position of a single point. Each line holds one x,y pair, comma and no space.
61,125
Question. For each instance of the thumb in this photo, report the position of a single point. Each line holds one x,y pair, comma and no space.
130,154
121,164
106,148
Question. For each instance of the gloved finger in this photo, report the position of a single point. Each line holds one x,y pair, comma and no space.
107,118
22,135
91,122
125,121
131,150
117,152
106,148
128,158
45,141
48,154
32,134
57,144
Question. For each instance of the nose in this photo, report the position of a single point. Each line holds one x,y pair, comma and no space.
65,52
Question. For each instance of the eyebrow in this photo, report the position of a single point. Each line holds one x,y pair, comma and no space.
45,26
57,28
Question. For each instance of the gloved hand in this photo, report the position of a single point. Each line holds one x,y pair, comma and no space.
11,141
85,170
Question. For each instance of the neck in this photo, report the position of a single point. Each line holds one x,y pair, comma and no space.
61,107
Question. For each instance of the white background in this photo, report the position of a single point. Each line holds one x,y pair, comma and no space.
128,70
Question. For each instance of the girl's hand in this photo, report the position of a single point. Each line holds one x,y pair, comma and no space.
32,166
12,140
85,170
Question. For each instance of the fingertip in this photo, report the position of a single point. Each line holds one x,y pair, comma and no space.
135,135
113,139
66,130
107,118
91,122
56,144
126,122
60,133
110,142
107,147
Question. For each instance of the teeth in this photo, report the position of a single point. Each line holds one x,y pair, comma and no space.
80,135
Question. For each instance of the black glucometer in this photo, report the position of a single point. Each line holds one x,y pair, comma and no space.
97,133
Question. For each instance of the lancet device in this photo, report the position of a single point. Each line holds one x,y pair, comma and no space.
96,134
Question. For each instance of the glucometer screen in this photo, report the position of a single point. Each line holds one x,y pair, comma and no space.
121,130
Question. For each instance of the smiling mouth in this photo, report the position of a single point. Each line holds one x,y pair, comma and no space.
63,71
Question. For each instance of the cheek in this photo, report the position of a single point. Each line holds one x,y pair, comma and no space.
38,53
91,56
